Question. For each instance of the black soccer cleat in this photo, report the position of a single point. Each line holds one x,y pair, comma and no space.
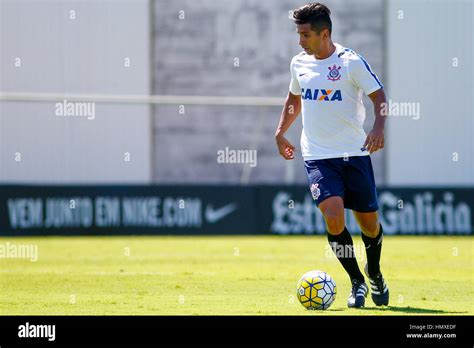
378,287
358,294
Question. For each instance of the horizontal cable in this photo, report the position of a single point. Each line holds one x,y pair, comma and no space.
143,99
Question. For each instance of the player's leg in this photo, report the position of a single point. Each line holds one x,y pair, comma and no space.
361,195
339,237
327,188
372,235
341,243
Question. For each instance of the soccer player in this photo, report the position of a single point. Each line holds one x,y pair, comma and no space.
327,83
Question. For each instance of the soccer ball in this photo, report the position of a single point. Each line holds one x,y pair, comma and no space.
316,290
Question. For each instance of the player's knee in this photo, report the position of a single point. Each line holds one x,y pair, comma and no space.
335,222
333,212
370,230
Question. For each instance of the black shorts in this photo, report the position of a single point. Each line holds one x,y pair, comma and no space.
350,178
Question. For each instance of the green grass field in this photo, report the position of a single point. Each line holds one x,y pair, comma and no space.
245,275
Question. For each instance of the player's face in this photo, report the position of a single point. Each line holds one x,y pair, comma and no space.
310,41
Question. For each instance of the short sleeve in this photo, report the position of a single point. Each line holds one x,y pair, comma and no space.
363,77
294,84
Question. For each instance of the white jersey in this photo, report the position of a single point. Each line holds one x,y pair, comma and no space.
331,92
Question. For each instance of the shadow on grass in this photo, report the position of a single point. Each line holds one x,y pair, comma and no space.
410,310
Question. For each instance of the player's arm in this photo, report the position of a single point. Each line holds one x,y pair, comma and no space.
363,77
375,139
290,112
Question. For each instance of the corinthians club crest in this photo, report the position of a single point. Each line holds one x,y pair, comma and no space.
334,73
315,191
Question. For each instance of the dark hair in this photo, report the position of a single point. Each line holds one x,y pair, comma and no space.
317,14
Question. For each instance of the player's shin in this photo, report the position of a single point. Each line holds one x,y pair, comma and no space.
343,248
373,248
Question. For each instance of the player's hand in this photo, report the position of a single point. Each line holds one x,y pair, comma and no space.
287,151
375,140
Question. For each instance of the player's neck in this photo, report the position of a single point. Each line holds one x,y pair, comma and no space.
327,51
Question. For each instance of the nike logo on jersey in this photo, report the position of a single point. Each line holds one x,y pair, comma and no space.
321,94
303,74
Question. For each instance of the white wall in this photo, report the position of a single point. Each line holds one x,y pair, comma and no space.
196,56
85,55
421,49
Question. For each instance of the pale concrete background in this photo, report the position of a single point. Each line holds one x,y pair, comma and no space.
430,60
84,55
195,56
